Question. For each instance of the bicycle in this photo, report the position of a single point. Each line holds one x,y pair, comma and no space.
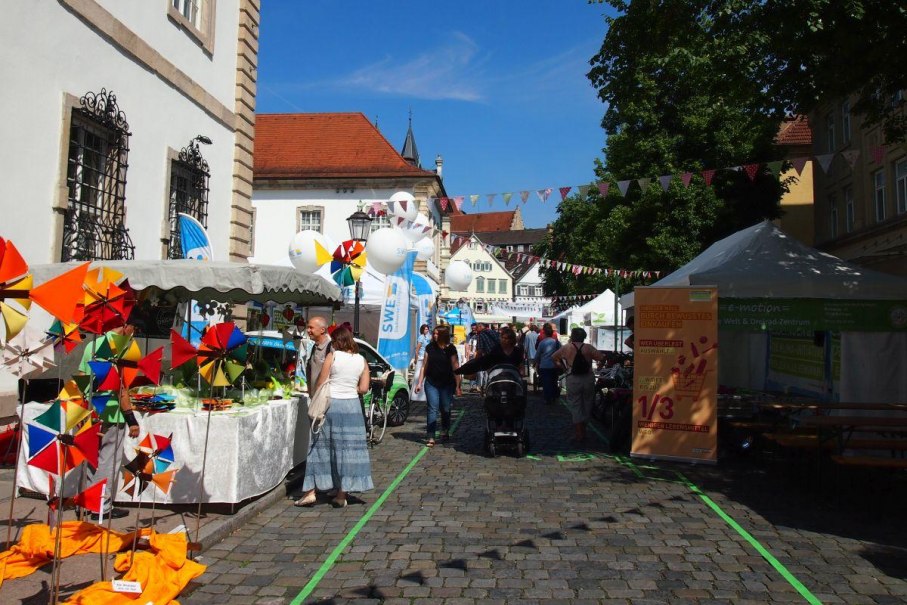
376,414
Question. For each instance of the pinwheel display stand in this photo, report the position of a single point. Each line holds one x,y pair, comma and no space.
251,450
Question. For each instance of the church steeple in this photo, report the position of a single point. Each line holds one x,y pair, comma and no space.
410,153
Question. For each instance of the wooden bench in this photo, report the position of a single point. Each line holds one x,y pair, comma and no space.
793,440
871,461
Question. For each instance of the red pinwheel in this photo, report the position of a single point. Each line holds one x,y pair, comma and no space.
118,361
58,296
106,305
66,335
52,449
92,498
348,263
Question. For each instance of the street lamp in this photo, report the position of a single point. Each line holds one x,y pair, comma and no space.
360,223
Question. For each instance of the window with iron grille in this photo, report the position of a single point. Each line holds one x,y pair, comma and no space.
93,223
189,176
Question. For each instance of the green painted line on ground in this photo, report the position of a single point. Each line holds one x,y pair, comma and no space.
779,567
351,535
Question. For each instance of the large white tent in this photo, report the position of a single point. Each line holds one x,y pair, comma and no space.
762,263
597,317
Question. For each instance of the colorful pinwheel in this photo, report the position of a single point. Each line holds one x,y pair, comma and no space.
222,354
65,335
28,353
105,304
58,296
52,449
91,498
152,464
118,361
348,263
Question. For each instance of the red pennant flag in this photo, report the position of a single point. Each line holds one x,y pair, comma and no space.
751,170
443,204
564,191
685,178
799,164
707,175
92,498
181,350
603,188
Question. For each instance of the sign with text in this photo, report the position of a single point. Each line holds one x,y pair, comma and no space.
675,374
802,317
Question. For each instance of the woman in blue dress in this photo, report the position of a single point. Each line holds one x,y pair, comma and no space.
338,460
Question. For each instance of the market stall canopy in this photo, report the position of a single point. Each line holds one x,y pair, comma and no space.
764,262
215,280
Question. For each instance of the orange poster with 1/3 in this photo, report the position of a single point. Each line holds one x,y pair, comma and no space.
675,373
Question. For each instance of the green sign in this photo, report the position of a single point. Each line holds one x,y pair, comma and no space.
807,315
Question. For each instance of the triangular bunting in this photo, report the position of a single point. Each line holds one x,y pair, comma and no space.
623,186
524,195
665,181
603,188
799,164
458,202
473,199
751,171
708,175
583,191
825,161
507,195
443,204
775,167
851,156
543,194
685,178
644,183
564,191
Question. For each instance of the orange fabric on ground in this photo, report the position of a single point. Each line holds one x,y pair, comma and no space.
162,574
36,546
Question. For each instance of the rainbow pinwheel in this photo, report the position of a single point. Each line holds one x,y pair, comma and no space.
348,263
91,498
65,335
152,464
118,361
28,353
222,354
58,296
105,304
54,450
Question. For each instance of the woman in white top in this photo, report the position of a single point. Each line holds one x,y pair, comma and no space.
338,459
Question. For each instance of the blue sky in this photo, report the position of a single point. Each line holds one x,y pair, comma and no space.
496,87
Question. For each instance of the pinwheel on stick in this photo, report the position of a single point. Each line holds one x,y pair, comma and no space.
348,263
58,296
65,335
106,305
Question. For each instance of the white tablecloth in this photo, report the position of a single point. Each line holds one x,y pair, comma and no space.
250,451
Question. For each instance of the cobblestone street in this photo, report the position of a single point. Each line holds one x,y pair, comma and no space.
570,525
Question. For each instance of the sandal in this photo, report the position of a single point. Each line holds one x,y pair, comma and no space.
306,502
430,443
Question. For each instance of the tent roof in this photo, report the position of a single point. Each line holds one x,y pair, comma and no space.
603,303
764,262
214,280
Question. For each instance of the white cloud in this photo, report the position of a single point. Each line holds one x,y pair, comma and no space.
452,70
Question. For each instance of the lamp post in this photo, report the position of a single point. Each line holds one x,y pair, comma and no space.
360,223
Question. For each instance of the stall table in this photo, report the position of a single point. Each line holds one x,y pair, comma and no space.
250,451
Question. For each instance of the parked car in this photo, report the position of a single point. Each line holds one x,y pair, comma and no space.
276,350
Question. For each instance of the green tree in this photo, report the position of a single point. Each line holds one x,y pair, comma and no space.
670,109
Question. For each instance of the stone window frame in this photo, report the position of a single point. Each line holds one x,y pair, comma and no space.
309,208
203,33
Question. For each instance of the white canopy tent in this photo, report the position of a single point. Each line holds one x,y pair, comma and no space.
597,317
762,264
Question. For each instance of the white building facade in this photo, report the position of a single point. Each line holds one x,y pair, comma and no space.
120,113
490,282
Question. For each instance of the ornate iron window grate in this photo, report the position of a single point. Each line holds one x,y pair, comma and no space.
93,225
188,192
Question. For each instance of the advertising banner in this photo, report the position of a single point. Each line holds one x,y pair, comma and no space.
394,326
804,316
423,299
675,374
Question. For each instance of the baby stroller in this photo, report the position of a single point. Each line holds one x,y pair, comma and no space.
505,410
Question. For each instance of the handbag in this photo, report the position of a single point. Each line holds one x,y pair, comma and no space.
319,405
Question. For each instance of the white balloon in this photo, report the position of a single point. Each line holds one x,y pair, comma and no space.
302,250
410,212
425,248
386,250
458,275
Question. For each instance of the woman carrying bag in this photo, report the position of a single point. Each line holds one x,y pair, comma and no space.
338,460
438,378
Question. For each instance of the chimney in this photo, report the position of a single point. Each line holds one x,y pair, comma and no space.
439,163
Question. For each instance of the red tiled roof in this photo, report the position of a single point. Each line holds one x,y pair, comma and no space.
325,145
794,130
484,221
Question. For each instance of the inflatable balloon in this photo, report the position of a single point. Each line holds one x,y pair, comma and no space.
417,229
458,275
403,204
304,251
425,248
386,249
